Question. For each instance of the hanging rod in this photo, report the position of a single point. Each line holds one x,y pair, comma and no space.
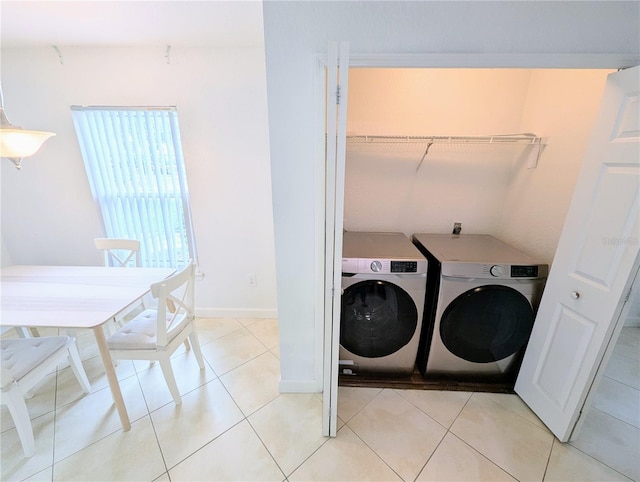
526,139
495,139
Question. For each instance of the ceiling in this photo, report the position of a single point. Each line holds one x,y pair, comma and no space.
125,23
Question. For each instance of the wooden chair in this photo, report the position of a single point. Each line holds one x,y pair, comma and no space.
119,252
156,333
25,362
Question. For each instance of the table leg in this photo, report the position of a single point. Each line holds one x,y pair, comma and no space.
111,377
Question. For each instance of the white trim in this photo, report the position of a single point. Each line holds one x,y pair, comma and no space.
330,226
299,386
236,313
632,321
481,60
319,235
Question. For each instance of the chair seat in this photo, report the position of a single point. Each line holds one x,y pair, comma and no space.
25,362
140,333
21,355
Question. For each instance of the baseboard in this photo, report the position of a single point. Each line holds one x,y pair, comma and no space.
236,313
299,386
632,321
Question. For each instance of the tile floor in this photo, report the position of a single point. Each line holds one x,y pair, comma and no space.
611,431
234,425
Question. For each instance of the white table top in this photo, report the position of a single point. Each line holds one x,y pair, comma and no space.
71,296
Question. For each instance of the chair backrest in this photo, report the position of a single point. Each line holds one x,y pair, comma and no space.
6,378
119,252
175,296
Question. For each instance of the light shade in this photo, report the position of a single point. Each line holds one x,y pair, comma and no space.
18,143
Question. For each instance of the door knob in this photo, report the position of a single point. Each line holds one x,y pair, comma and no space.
575,295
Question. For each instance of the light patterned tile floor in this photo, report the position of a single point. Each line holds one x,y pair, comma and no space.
234,425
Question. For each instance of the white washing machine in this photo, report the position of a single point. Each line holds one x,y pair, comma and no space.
383,292
482,295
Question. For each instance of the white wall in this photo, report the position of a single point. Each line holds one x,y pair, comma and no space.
633,316
554,34
48,215
487,188
5,257
385,191
560,104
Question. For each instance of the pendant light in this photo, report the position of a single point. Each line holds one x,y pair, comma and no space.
17,143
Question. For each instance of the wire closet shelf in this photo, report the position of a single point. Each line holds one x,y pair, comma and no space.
410,143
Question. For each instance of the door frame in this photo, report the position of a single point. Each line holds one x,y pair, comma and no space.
425,61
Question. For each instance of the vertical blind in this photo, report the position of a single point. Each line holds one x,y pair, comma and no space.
133,158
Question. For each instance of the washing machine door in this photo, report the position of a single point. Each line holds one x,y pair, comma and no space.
487,323
377,318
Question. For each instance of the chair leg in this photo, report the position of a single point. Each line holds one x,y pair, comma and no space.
22,331
167,370
195,343
18,410
78,369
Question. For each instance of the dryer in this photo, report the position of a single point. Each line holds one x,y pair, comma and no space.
482,295
383,292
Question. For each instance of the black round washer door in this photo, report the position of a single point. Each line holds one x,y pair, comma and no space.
377,318
487,324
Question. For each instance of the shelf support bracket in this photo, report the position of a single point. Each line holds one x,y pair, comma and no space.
426,151
535,152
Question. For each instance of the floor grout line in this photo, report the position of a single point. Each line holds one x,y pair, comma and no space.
245,417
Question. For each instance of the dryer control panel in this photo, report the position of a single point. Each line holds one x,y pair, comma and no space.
494,271
524,271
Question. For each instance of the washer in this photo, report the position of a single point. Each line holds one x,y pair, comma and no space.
383,292
482,295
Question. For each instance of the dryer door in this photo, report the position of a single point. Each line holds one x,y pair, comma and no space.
377,318
487,323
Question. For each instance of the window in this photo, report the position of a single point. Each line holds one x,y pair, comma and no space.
133,158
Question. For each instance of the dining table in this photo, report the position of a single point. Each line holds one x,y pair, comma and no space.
76,297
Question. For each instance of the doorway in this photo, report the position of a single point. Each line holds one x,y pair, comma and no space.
538,236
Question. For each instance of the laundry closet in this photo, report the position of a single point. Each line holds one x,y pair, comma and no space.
497,151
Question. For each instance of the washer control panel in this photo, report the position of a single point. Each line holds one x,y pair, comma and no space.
404,266
383,266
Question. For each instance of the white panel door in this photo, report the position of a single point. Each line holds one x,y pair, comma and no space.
337,85
596,257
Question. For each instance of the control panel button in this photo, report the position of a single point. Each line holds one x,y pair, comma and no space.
496,270
376,266
524,271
